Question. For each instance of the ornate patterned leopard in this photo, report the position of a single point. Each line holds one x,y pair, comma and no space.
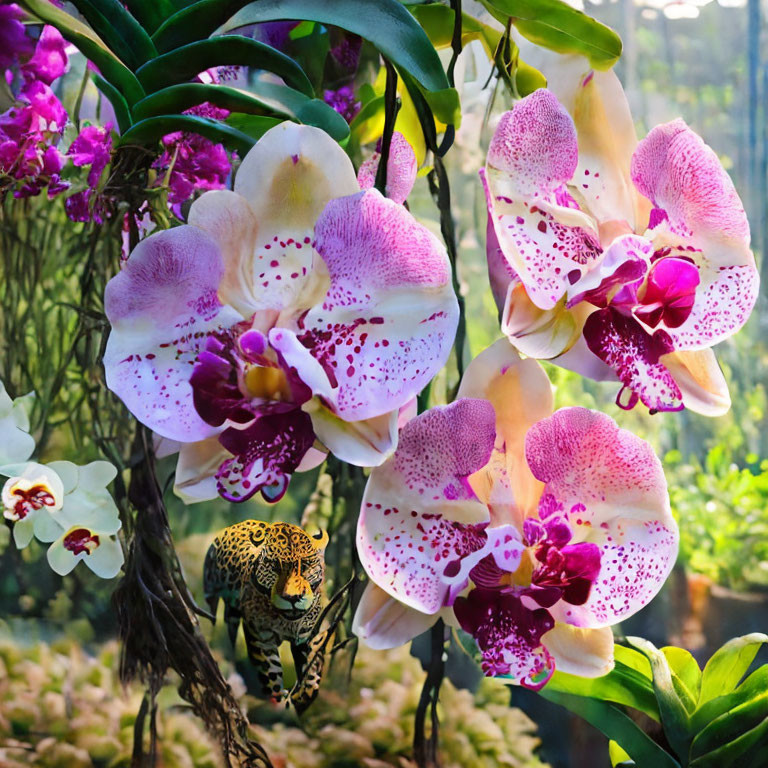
269,576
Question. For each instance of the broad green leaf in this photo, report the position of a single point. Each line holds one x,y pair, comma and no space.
673,710
622,685
686,674
633,659
385,23
726,739
151,13
90,45
728,664
266,99
184,63
616,726
115,98
118,29
755,684
149,131
558,26
254,126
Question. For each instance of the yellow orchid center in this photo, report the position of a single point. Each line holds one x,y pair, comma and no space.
267,383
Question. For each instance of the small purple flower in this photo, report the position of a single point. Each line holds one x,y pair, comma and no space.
15,46
199,164
343,100
347,52
49,60
93,147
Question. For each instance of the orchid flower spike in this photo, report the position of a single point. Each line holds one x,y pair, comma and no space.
292,316
534,531
616,259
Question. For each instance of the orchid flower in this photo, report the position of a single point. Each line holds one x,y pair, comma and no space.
293,315
17,444
616,259
534,531
68,506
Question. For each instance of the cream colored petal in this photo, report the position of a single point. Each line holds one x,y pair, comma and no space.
521,395
582,652
701,381
195,470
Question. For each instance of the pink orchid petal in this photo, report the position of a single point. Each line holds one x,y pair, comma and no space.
634,354
704,220
387,322
611,487
670,293
162,306
421,528
546,239
401,169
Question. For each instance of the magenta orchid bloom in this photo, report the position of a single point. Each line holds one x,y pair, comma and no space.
616,259
534,531
292,315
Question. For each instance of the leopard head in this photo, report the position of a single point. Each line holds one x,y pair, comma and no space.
291,568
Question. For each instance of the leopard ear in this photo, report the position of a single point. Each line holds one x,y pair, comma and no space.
320,540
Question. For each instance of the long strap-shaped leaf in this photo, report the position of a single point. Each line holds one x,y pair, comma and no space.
617,726
186,62
119,104
91,45
152,13
118,29
154,128
267,99
385,23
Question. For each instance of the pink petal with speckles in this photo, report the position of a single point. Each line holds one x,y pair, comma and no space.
421,528
634,354
401,169
543,235
611,487
162,306
699,217
387,323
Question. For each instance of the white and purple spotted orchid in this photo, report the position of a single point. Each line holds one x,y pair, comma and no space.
68,507
535,531
613,258
297,308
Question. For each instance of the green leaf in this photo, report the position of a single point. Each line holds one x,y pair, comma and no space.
726,739
186,62
616,726
90,45
617,755
118,29
673,710
708,711
254,126
686,675
385,23
266,99
556,25
152,129
118,102
622,685
729,664
152,13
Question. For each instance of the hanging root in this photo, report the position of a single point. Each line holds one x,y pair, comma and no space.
160,631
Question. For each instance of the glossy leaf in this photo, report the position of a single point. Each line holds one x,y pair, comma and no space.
184,63
90,45
253,126
118,29
115,98
558,26
686,675
622,685
754,685
727,739
728,665
385,23
615,725
267,99
149,131
672,708
152,13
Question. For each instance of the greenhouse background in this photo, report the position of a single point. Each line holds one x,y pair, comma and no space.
61,699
